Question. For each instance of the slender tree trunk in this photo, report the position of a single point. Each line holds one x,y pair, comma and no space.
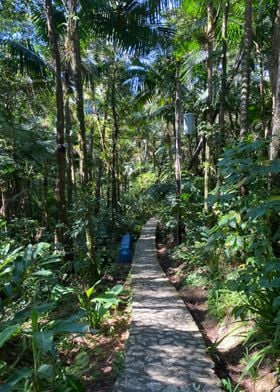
245,88
98,184
69,155
274,56
91,173
170,147
60,151
73,43
177,129
5,202
261,87
115,135
100,164
224,74
210,117
108,190
206,175
46,200
210,47
76,63
275,142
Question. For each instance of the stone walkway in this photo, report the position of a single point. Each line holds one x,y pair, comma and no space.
165,350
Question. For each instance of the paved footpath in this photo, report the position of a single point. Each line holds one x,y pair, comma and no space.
165,350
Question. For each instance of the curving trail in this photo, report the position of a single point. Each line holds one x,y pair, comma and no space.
165,350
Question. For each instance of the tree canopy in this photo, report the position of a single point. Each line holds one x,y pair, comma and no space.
114,111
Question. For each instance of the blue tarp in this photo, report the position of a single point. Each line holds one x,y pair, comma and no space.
125,255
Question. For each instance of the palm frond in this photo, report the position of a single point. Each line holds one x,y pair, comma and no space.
191,60
26,58
39,20
130,24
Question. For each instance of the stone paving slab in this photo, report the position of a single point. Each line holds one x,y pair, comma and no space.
165,350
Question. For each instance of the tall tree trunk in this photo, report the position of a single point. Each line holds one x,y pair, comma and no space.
60,150
245,70
69,155
210,117
275,142
275,48
177,131
91,172
274,57
261,88
115,135
206,175
210,47
100,164
46,200
76,63
224,74
98,185
73,42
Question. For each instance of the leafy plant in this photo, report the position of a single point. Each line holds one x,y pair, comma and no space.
195,279
118,362
41,335
96,306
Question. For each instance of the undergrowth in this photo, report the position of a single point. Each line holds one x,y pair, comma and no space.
233,249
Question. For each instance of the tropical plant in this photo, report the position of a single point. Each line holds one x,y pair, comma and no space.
97,306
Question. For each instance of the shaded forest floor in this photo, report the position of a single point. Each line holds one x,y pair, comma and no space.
104,348
229,355
108,346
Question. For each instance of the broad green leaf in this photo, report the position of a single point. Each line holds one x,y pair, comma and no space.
8,289
44,341
106,299
43,272
257,212
90,291
28,253
269,284
45,371
239,241
6,271
276,302
116,290
50,259
100,310
40,248
74,384
6,334
274,198
81,364
69,326
272,266
2,223
59,291
18,376
43,308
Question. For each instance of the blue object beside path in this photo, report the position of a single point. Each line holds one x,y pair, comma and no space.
125,255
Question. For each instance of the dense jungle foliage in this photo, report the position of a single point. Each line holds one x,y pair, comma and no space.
112,112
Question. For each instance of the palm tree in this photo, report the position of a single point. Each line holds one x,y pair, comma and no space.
275,142
245,68
61,150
